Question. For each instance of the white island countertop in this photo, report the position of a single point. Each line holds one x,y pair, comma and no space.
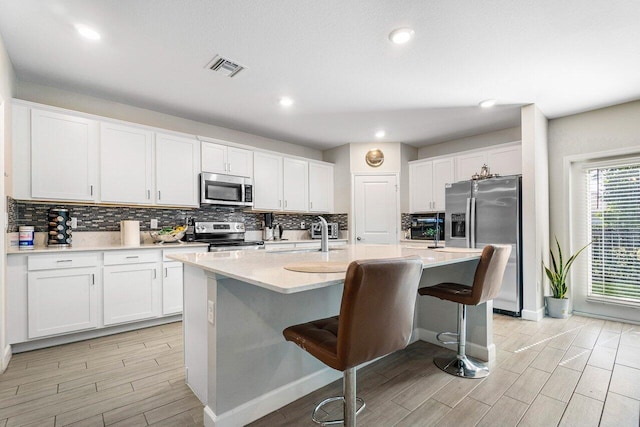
266,268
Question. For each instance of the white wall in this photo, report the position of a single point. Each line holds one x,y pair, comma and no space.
535,209
407,154
340,157
102,107
392,158
471,143
7,85
608,131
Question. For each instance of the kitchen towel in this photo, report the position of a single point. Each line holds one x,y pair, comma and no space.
130,233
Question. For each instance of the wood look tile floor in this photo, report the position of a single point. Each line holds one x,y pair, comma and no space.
129,379
574,372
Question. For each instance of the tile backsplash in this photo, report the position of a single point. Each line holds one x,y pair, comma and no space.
107,218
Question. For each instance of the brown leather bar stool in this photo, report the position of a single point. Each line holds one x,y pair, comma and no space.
376,318
487,282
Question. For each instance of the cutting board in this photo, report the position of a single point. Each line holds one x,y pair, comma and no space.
460,250
318,267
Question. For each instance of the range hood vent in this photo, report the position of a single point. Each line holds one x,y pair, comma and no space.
225,66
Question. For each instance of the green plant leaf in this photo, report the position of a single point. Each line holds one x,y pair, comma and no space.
559,270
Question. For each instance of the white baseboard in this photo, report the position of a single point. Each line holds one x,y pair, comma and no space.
6,357
535,315
37,344
487,353
269,402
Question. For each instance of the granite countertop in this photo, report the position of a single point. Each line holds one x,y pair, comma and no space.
102,246
266,268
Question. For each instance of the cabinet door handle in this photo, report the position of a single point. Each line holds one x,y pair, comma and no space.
279,203
155,274
148,194
91,189
310,205
65,260
93,279
166,273
228,167
159,195
285,203
133,256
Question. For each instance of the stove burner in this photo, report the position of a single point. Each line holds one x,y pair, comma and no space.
224,236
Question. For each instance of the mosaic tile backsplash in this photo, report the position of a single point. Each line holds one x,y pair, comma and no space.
107,218
405,221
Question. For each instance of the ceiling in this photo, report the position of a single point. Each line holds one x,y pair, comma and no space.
334,58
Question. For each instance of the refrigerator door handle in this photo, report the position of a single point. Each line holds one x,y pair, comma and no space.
467,232
472,239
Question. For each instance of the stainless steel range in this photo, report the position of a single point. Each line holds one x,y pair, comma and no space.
224,236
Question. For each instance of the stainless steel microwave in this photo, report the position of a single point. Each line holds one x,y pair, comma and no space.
228,190
316,230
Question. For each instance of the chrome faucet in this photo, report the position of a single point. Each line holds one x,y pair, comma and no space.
324,241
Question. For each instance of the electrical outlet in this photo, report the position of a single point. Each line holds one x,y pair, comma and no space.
303,225
154,223
211,311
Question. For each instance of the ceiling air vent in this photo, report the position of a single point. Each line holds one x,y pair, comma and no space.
224,66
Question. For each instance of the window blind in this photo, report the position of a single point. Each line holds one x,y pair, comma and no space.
613,228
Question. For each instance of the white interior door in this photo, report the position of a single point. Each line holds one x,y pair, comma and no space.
376,209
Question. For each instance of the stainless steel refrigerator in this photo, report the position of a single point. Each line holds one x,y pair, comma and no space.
489,211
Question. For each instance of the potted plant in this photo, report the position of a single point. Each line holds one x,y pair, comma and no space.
558,303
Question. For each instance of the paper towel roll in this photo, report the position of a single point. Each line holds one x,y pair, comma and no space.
130,233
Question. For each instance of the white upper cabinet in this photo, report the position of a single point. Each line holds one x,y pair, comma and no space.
442,175
427,181
214,157
502,160
292,185
240,162
320,187
267,181
177,168
218,158
295,185
63,156
70,156
421,186
505,160
126,164
469,164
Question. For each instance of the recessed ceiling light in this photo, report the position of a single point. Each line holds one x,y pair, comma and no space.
87,32
487,103
380,134
401,35
285,101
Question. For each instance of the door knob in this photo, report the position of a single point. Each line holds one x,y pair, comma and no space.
358,238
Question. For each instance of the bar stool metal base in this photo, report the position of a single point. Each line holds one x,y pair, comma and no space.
314,418
462,366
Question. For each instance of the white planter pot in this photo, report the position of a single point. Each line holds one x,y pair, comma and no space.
557,307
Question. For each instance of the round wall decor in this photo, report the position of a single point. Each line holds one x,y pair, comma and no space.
374,157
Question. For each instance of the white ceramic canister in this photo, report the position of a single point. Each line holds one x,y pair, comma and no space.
25,236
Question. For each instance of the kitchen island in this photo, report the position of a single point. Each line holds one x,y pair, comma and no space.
236,305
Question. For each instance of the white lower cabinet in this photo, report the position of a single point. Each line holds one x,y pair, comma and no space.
61,301
54,294
131,292
171,288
